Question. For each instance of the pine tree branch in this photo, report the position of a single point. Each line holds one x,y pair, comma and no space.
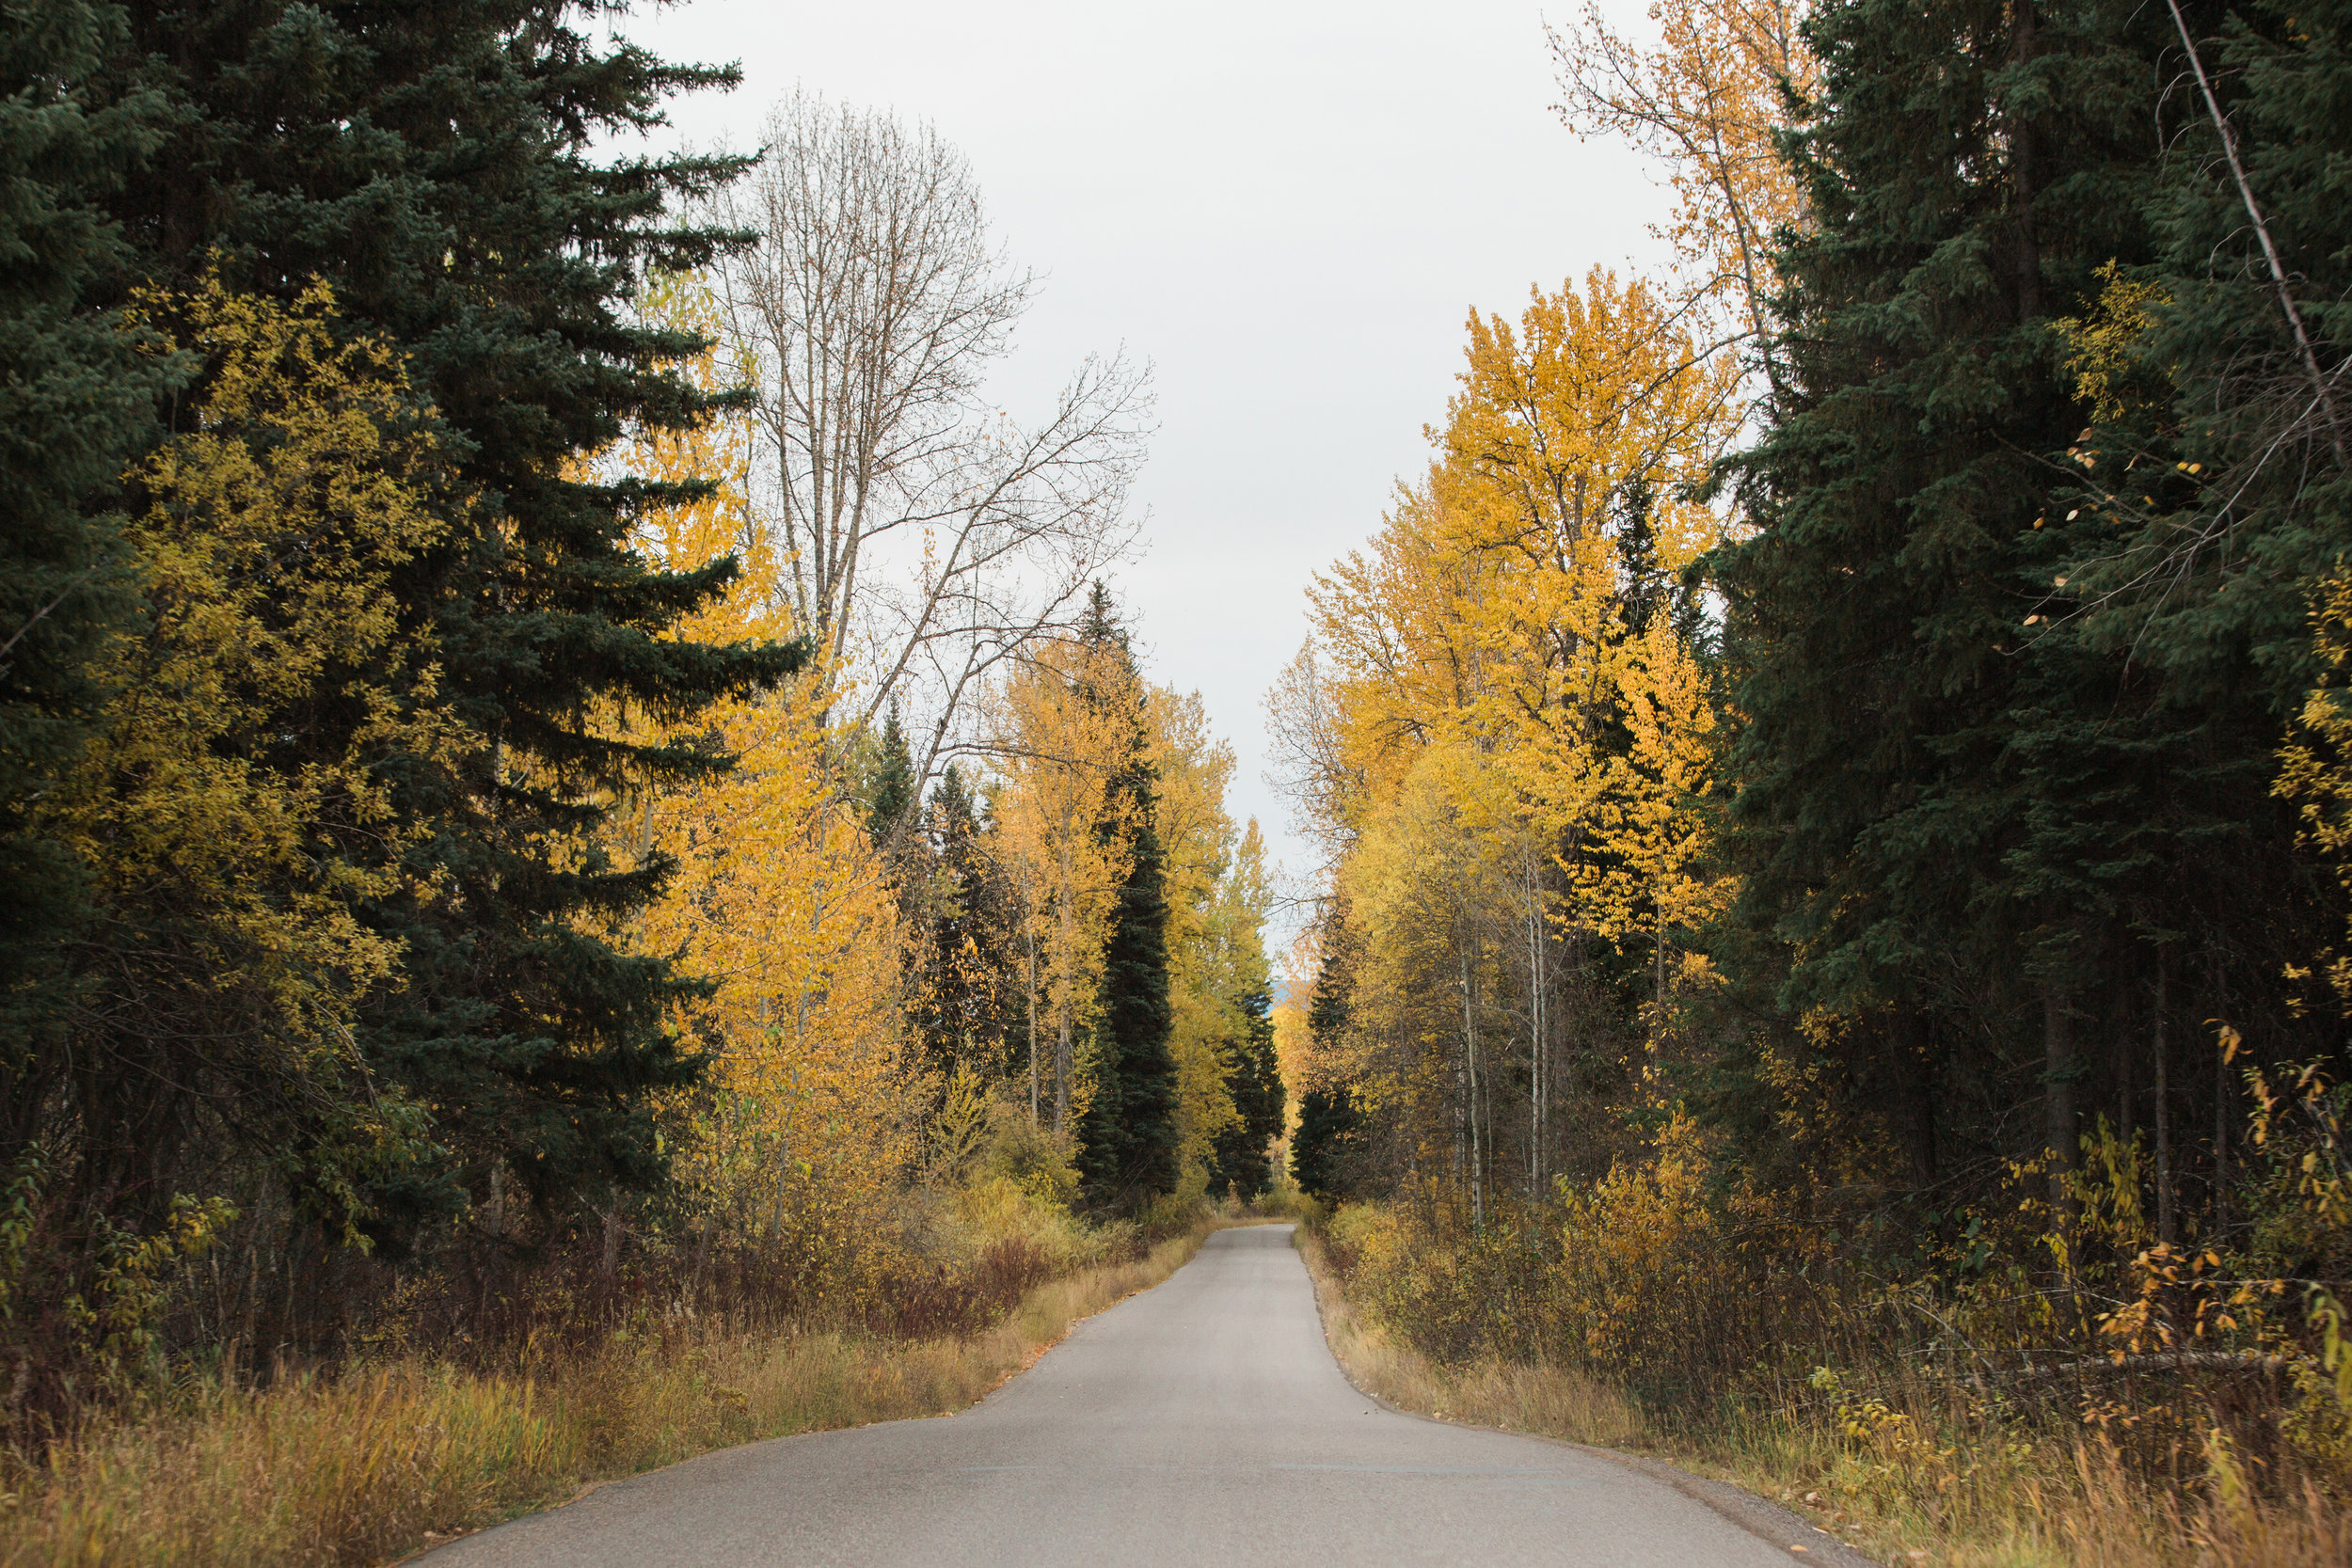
2261,229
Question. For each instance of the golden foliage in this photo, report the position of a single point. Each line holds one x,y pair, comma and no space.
1197,839
1707,97
2316,770
235,804
779,899
1490,602
1064,722
1528,734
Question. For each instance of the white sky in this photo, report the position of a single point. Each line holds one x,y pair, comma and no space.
1287,208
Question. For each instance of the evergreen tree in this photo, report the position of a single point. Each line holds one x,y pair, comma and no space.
1952,805
1875,615
1325,1143
76,403
434,163
971,1007
1647,587
1241,1161
2235,438
890,793
1326,1140
1128,1136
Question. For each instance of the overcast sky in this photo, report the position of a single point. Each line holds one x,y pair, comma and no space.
1286,208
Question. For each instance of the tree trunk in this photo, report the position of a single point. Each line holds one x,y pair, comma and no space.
1061,1025
1033,1081
1535,1086
1462,1098
2057,1104
1470,1058
2021,141
2167,1224
1061,1076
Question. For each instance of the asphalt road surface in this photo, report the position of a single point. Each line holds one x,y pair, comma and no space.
1203,1422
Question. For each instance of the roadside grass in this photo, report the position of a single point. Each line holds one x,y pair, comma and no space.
2014,1498
1543,1400
384,1459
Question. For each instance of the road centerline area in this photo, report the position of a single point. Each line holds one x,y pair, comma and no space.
1203,1422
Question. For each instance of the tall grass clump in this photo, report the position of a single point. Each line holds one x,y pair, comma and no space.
2049,1384
487,1397
386,1456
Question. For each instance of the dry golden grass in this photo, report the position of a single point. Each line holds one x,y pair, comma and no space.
385,1459
1546,1401
2017,1501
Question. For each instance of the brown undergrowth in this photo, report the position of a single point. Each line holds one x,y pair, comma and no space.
2019,1494
396,1454
1546,1401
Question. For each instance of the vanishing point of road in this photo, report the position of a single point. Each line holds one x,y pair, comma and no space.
1203,1422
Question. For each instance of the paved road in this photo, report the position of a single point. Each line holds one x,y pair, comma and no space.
1201,1423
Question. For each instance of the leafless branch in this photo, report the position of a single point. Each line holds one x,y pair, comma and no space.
928,536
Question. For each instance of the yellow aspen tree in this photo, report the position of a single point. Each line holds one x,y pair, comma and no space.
778,899
1196,838
1592,405
1398,661
1704,98
1422,886
234,805
1059,741
1488,600
1473,674
781,900
1590,417
1651,828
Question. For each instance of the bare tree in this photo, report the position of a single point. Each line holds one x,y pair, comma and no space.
1306,761
929,536
1705,100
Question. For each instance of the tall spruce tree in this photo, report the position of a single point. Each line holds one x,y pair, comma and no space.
435,164
77,402
1958,811
1241,1161
1325,1145
1128,1136
970,1008
891,791
2235,438
1961,168
2208,514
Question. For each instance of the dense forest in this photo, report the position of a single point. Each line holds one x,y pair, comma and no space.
1832,782
568,783
513,821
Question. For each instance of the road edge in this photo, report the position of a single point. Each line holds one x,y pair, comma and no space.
1761,1517
1036,1353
